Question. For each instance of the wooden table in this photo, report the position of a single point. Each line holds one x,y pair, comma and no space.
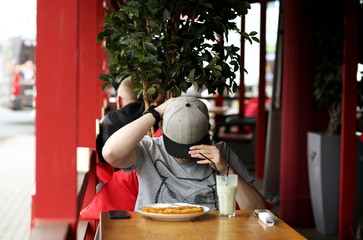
218,110
209,226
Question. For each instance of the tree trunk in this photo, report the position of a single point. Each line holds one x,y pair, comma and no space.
151,132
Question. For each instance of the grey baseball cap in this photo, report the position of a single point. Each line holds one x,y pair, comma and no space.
185,123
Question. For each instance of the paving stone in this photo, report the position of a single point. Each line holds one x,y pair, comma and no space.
17,178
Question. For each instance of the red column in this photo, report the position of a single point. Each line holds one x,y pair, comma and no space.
102,58
88,102
348,139
68,64
241,96
299,115
261,117
88,73
56,120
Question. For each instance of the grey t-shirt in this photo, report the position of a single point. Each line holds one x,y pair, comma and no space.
162,179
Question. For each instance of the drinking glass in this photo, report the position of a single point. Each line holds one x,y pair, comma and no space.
226,191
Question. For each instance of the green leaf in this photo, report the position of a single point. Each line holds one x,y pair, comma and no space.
140,58
105,85
151,47
115,60
157,70
219,67
216,73
255,39
100,37
135,90
253,33
195,85
103,77
138,35
151,90
184,86
119,78
245,35
213,62
176,90
126,40
166,15
204,57
154,3
153,23
191,74
247,4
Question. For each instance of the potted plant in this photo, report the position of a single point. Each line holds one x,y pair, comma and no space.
168,46
324,147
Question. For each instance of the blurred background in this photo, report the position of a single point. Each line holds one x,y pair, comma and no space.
17,116
17,54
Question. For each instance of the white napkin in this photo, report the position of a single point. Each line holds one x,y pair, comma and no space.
266,218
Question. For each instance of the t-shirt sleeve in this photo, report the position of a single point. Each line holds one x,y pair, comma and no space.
235,162
142,149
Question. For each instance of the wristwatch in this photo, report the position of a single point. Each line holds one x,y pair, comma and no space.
155,114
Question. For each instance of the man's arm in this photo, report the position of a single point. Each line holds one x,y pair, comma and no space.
119,149
248,197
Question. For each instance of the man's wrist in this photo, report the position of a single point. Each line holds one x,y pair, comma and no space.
154,113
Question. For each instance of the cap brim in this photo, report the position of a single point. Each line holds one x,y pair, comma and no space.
181,150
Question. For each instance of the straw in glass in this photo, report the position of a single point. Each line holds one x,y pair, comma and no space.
215,167
228,163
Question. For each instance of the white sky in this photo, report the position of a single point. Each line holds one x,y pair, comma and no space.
17,18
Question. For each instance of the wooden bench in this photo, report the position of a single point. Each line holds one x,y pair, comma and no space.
86,188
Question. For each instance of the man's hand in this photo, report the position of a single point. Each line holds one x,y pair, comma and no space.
248,197
161,108
211,152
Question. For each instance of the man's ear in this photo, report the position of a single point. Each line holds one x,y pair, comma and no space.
119,102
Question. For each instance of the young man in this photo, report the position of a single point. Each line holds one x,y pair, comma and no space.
129,108
181,165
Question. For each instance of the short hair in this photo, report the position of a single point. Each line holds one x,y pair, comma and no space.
125,90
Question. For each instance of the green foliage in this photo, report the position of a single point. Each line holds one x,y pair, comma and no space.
173,43
328,43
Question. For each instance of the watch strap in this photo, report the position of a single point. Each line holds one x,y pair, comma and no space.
155,114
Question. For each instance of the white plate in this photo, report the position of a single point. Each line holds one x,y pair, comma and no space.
172,217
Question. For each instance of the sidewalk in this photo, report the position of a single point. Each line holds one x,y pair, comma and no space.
17,178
